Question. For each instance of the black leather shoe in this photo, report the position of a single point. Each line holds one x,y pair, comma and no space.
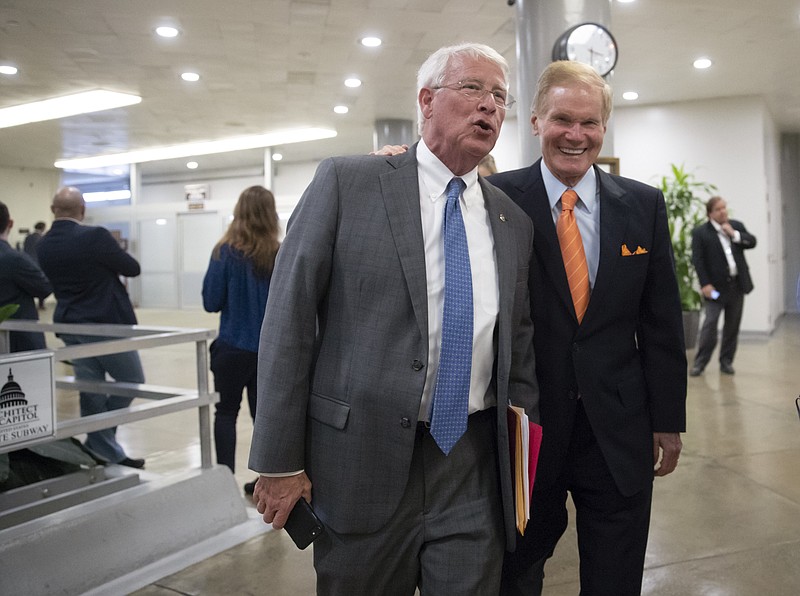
250,487
132,463
726,368
696,371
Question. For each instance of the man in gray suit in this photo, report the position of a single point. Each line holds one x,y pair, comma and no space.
352,342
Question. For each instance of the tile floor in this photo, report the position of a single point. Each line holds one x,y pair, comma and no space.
727,522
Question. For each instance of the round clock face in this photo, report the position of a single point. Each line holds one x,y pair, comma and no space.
590,44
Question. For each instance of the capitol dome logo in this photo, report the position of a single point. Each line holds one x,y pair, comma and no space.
12,395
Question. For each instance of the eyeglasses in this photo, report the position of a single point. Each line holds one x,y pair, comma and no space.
476,91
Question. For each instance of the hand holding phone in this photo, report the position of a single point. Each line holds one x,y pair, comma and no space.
303,525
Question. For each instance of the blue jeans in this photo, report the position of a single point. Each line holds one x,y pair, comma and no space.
124,367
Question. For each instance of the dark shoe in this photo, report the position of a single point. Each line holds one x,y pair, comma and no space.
132,463
726,368
696,371
250,487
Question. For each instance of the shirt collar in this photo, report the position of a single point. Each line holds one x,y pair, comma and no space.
717,227
435,177
586,188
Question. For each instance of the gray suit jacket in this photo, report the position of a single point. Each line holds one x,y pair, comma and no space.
344,343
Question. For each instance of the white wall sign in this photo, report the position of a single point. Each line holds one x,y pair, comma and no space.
27,397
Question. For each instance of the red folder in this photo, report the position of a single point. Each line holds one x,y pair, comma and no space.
525,440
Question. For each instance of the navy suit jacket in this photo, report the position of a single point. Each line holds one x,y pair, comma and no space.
84,264
710,262
626,360
21,281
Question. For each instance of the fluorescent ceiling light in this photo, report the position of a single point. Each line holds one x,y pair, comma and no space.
352,82
284,137
371,42
7,69
166,31
68,105
277,156
341,109
107,195
191,77
192,165
702,63
630,95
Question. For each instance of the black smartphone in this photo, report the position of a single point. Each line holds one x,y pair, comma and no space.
303,525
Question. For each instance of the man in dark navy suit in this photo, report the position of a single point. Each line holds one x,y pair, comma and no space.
84,264
718,256
612,375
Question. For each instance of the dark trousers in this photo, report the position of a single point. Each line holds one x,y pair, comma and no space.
733,305
234,370
446,536
612,528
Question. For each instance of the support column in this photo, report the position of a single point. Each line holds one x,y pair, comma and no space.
393,131
539,24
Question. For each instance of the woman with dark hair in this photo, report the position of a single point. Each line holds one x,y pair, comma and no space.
236,285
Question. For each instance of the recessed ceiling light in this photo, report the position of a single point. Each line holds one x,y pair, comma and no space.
192,77
277,156
7,69
282,137
341,109
167,31
630,95
161,221
68,105
192,165
702,63
371,42
352,82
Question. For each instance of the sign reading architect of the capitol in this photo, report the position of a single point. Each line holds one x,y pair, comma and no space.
26,398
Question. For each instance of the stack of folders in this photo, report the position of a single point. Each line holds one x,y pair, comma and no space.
525,440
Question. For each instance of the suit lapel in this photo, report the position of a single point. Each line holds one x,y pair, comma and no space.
533,199
505,244
400,189
614,216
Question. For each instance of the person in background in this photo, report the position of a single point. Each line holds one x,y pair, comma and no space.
29,246
610,357
396,333
21,280
237,285
487,166
84,263
718,257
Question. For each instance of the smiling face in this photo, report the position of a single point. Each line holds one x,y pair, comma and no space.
460,131
571,128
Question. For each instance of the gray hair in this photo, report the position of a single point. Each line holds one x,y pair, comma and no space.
433,70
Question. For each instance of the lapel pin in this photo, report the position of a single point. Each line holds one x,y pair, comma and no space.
502,217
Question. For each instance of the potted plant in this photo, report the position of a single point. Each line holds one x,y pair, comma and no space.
685,211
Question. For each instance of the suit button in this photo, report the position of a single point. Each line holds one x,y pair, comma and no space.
405,423
417,365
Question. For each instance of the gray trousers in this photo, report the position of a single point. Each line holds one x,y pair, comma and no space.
447,535
733,306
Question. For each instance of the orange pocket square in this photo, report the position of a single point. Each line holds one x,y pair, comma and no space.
626,252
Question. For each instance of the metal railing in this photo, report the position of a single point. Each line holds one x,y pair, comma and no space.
124,338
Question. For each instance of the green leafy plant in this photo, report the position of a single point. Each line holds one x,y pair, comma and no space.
7,311
685,211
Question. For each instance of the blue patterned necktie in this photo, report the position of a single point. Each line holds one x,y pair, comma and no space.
451,397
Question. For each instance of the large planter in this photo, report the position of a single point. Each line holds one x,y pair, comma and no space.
691,327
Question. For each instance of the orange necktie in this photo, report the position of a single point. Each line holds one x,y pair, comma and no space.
569,237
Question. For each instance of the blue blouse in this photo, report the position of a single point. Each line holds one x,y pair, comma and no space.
231,287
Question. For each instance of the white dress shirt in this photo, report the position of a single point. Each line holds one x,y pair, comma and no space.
726,240
433,178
